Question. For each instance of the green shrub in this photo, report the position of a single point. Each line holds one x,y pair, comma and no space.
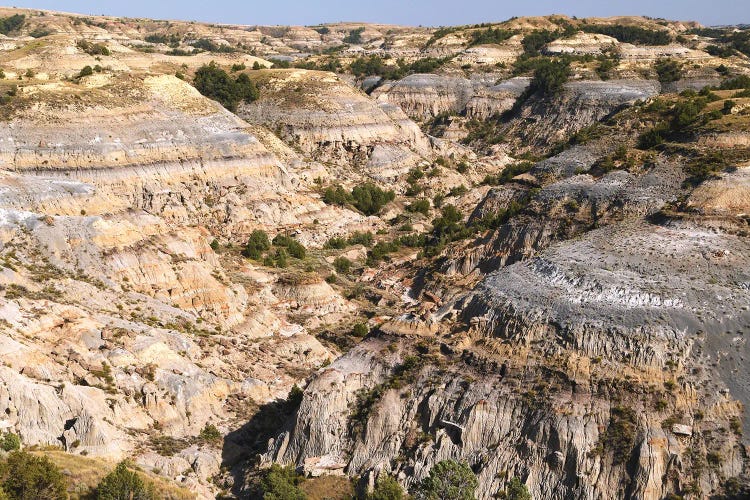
370,199
210,434
211,46
386,488
93,49
736,83
668,70
10,442
536,40
728,105
336,195
605,66
517,490
256,245
653,137
86,71
361,238
354,36
360,330
421,206
214,83
342,265
282,483
336,243
620,435
280,259
40,32
124,484
24,476
549,77
294,247
172,40
448,480
380,251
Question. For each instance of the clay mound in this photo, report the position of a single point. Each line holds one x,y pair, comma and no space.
727,195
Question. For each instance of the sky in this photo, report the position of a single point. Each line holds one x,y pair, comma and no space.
405,12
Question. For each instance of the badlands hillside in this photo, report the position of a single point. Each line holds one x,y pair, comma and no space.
360,261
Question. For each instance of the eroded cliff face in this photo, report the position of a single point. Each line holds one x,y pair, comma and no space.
582,369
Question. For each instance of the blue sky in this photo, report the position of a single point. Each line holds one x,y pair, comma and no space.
410,12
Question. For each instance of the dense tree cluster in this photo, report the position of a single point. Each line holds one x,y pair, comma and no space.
376,65
630,34
215,83
489,35
12,23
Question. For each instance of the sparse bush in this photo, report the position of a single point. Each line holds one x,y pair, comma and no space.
620,435
336,243
489,36
211,46
294,247
630,34
549,77
85,71
370,199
